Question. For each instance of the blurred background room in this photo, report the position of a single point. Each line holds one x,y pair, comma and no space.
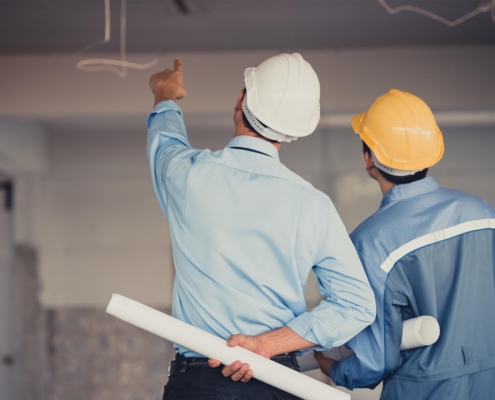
79,218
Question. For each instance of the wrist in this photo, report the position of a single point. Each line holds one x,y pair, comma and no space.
165,91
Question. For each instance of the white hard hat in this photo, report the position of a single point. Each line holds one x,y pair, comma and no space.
284,94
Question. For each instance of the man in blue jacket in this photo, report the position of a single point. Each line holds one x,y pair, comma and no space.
426,251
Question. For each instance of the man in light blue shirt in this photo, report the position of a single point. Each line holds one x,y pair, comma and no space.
246,232
426,251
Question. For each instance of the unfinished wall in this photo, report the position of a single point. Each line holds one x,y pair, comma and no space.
92,356
29,325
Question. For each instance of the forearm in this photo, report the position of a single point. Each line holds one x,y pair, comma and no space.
167,141
166,128
284,340
333,322
269,344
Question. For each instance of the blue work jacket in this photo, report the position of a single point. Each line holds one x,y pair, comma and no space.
426,251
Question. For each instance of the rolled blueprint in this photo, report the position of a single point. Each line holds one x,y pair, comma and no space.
419,332
416,332
214,347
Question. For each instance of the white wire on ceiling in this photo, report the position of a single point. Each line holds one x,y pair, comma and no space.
484,6
118,67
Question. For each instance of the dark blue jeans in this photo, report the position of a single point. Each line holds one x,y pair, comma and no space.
205,383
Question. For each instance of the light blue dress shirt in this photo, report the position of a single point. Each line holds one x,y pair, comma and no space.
246,232
427,251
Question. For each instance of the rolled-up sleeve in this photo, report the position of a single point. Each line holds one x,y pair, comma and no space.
167,142
350,304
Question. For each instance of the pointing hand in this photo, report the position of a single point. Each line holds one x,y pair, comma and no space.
168,84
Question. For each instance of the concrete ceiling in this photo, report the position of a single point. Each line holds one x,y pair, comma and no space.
66,26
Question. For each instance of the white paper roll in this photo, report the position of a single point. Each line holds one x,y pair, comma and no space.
416,332
211,346
419,332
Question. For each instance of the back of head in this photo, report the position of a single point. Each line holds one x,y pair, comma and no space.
282,101
402,135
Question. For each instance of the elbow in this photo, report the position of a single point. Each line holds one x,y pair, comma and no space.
366,312
371,306
367,317
368,307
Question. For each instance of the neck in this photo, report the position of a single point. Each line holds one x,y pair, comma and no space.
385,185
247,132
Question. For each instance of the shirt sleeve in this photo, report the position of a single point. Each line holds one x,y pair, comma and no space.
377,348
167,143
350,305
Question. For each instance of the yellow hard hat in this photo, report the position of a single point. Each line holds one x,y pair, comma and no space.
401,132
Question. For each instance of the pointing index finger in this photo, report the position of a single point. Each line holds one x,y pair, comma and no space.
178,65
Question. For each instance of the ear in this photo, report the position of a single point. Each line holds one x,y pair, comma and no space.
368,161
240,99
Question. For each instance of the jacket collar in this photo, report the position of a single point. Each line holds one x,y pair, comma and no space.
403,192
255,144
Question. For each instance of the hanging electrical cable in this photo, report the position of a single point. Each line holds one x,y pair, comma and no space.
118,67
483,6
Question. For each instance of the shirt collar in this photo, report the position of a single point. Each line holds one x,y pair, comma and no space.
406,191
255,144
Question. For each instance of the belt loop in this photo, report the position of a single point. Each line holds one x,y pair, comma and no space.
183,367
180,364
294,361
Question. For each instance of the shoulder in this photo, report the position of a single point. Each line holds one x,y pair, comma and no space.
367,237
464,197
467,205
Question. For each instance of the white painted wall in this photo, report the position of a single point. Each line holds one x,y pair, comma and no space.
22,146
101,230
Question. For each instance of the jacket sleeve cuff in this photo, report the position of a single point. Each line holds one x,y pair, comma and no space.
333,373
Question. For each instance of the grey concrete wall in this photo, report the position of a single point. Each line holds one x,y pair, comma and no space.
94,356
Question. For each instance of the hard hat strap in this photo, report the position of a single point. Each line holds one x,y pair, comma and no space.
391,171
264,131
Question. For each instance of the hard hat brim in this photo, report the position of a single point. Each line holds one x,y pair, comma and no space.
356,122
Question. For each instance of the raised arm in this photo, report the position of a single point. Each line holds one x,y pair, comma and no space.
167,136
